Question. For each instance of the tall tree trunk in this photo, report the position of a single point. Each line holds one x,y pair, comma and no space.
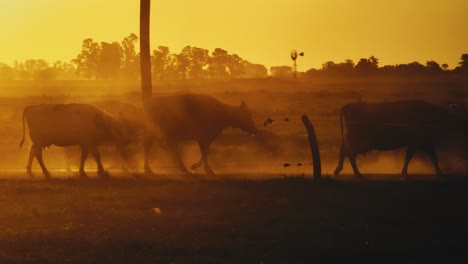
145,57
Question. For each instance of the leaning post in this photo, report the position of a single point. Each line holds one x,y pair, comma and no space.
314,149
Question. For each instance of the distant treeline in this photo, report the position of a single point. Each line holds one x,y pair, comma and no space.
121,61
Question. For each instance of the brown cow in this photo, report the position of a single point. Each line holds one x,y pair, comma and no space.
386,126
73,124
192,117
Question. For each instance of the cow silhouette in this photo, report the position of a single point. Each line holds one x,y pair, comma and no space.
73,124
189,117
415,124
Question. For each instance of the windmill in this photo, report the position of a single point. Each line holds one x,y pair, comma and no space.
294,56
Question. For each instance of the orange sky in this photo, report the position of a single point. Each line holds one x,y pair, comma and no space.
261,31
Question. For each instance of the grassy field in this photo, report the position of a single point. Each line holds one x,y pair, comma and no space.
250,212
230,221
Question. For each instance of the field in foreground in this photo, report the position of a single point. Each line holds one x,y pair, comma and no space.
229,221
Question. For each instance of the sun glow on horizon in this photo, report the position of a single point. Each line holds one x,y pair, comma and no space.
334,30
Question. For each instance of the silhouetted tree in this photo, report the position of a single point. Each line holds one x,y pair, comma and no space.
281,71
87,61
235,66
159,63
64,71
6,72
130,63
198,62
464,61
338,69
433,67
219,64
252,70
110,58
368,66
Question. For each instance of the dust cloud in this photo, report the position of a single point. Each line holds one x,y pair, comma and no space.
233,152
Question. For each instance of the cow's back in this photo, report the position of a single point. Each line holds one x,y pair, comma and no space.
189,116
65,124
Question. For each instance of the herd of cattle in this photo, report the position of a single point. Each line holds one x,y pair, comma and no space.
169,120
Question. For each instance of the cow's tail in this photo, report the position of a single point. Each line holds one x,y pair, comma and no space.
24,129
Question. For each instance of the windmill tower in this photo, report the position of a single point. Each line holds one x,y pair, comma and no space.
294,56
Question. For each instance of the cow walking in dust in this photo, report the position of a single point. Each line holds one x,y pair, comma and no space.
192,117
73,124
385,126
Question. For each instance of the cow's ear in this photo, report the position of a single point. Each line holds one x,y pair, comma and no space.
243,105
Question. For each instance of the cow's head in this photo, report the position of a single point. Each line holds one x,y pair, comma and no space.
243,119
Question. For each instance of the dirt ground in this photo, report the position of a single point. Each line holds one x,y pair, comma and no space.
292,220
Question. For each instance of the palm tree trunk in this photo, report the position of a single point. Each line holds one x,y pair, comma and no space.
145,57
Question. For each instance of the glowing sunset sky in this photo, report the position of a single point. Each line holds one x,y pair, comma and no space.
397,31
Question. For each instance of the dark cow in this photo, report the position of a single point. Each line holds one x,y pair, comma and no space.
73,124
386,126
192,117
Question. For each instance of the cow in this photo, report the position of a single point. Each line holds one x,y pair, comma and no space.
131,114
73,124
187,117
414,124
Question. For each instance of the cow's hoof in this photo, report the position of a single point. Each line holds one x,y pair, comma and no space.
195,166
30,174
185,171
47,175
83,175
104,174
210,172
149,174
360,177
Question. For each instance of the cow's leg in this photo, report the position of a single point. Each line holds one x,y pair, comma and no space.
41,162
101,171
174,148
147,147
84,155
204,150
197,164
339,168
435,161
352,160
125,157
409,155
32,154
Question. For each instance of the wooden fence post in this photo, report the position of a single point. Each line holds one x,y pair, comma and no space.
314,149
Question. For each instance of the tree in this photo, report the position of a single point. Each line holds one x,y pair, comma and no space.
433,67
254,70
160,63
109,60
281,71
218,67
464,61
130,60
235,66
87,61
6,72
367,66
199,59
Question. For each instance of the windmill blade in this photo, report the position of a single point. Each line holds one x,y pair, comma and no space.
294,55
